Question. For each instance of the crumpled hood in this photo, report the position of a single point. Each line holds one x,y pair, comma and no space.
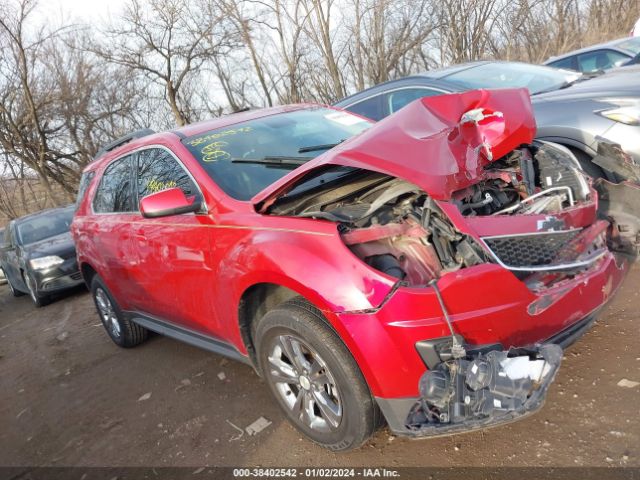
440,144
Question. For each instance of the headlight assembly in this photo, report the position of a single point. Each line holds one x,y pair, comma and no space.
43,263
626,111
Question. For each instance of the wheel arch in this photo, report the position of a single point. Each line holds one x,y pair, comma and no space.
88,272
570,143
257,299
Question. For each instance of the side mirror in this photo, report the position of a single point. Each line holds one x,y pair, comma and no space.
168,202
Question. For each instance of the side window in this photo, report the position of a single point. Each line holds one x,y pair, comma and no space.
398,99
85,181
370,108
599,60
568,63
159,170
115,192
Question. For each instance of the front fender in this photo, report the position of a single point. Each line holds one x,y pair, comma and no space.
318,267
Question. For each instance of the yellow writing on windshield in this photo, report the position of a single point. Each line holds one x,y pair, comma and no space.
214,151
213,136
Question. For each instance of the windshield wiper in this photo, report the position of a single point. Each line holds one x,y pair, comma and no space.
315,148
274,160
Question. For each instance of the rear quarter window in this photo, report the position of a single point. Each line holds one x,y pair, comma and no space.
85,181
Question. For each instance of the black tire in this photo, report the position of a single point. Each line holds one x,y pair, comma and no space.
14,292
38,299
121,330
298,321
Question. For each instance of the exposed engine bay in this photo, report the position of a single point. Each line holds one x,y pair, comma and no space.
530,180
398,229
390,224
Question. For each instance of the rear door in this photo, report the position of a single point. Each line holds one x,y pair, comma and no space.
110,227
172,270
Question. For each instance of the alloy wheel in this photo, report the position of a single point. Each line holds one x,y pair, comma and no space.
304,383
107,312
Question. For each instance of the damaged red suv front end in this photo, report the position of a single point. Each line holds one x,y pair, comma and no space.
438,260
492,242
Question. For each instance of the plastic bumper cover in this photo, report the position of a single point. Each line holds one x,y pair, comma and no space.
60,277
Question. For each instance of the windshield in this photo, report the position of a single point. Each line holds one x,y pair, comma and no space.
513,75
244,159
44,226
631,45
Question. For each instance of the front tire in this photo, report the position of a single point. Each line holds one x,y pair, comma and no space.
314,378
14,292
121,330
37,299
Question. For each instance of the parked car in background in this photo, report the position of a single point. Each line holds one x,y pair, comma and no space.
603,56
3,278
38,255
634,61
581,112
361,268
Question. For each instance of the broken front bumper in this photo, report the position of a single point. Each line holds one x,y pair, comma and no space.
481,390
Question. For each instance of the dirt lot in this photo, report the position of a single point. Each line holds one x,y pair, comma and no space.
69,396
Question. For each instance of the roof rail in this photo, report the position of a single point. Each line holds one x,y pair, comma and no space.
122,140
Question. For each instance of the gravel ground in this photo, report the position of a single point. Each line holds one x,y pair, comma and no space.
70,397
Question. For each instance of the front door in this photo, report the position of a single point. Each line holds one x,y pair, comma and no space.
173,269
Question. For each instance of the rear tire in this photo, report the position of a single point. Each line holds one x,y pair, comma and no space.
121,330
314,378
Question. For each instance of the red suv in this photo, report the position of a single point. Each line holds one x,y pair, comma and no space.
423,269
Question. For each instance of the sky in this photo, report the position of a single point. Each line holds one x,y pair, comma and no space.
86,11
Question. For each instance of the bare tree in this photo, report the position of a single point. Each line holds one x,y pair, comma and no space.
386,35
168,41
27,92
321,32
176,61
95,102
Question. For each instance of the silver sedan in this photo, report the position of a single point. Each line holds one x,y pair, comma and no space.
584,112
